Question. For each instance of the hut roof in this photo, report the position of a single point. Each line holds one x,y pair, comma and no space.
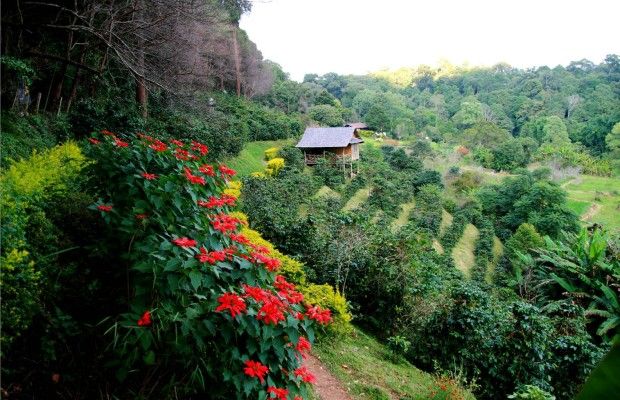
328,137
357,125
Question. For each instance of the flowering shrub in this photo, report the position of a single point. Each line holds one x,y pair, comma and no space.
207,308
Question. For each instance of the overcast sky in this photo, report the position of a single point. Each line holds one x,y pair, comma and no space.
359,36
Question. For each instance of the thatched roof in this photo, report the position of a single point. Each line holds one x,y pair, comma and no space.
328,137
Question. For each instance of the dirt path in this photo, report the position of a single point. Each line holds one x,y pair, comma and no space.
327,387
594,208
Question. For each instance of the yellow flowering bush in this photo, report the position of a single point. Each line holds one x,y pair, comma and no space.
271,153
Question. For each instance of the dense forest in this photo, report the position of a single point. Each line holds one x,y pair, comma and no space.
478,239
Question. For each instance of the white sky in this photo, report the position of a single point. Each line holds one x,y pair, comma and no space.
360,36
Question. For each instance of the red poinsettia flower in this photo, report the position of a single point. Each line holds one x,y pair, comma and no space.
258,294
145,319
321,316
231,302
211,257
303,345
104,208
148,177
279,393
225,223
177,142
198,180
181,154
227,171
239,238
120,143
94,141
271,312
305,375
255,369
107,132
201,148
142,216
184,242
158,145
207,170
271,264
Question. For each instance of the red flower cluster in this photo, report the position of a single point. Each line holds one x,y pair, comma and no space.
104,208
218,202
184,242
120,143
225,223
227,171
305,375
142,216
198,180
287,290
181,154
259,249
321,316
94,141
271,264
177,142
201,148
280,394
207,170
158,145
239,238
148,177
108,133
231,302
272,311
145,319
303,345
258,294
255,369
211,257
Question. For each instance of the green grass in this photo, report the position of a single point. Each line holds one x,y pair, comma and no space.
369,371
325,192
357,199
463,252
498,252
603,193
403,216
252,157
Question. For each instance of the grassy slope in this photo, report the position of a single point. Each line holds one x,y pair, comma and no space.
604,191
463,252
368,371
446,221
252,157
403,216
498,252
357,199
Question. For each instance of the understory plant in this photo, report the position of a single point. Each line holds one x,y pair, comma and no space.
207,310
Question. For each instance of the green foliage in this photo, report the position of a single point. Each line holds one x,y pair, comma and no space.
179,289
23,134
527,198
531,392
20,291
612,140
326,115
20,68
428,208
571,155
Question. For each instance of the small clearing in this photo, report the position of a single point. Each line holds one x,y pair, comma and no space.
252,157
437,246
498,252
357,199
446,221
463,252
403,216
326,192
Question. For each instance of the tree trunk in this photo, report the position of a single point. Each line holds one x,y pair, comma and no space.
141,96
237,57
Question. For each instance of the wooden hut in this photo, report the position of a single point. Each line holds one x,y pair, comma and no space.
340,143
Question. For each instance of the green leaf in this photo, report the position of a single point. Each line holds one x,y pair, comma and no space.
196,278
149,358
